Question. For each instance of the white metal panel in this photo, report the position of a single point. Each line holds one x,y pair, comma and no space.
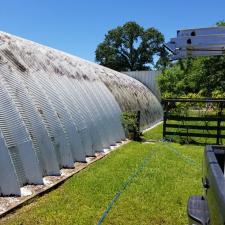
197,42
85,124
113,109
201,31
101,118
52,122
196,52
64,116
34,63
17,139
49,117
75,111
148,78
82,92
86,101
8,180
211,40
41,141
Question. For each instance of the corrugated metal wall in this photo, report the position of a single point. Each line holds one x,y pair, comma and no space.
148,78
56,109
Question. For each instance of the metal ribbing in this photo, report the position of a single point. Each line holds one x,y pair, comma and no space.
64,116
87,102
52,122
85,107
37,131
102,119
56,108
84,100
67,99
49,117
95,144
113,132
9,184
64,156
98,119
131,95
88,78
18,141
113,110
77,112
106,100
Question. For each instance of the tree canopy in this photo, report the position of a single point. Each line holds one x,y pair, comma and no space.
203,76
130,47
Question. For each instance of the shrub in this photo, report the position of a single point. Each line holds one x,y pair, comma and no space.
131,125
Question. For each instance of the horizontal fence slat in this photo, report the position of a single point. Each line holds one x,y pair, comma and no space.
187,100
194,134
194,118
194,127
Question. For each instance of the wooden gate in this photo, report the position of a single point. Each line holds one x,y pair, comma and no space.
194,118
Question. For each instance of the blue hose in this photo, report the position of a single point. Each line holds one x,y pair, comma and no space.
138,171
126,184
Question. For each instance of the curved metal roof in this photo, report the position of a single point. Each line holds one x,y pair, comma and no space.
56,109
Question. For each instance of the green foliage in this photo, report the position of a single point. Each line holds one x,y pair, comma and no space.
220,23
129,122
218,94
203,77
131,47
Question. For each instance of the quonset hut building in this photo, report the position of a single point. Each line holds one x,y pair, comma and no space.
56,109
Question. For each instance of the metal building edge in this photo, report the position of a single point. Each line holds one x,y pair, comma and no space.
57,109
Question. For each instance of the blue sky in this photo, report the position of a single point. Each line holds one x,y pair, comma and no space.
78,26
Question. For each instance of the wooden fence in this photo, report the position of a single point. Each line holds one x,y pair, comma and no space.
189,121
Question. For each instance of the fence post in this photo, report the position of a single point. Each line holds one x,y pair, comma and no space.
220,107
138,121
165,112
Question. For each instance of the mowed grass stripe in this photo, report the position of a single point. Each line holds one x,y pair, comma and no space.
159,195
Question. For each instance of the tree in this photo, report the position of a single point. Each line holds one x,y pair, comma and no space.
220,23
130,47
203,75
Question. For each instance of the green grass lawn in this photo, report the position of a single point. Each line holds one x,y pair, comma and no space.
158,195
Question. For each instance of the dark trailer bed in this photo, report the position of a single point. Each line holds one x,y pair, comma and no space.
210,208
